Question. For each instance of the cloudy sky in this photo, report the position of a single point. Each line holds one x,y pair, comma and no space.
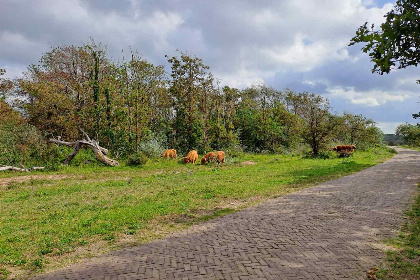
299,44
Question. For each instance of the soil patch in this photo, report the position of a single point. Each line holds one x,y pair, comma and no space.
249,162
21,179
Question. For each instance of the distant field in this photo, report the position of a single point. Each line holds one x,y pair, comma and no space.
59,217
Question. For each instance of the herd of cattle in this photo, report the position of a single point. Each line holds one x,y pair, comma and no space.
219,156
192,156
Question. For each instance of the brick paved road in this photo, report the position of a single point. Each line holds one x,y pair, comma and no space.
330,231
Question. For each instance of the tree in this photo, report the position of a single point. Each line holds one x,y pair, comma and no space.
191,89
319,124
5,84
397,43
355,128
142,86
8,115
410,133
62,92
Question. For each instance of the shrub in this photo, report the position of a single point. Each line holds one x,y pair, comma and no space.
153,147
234,151
137,159
21,144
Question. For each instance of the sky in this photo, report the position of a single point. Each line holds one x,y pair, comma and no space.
301,44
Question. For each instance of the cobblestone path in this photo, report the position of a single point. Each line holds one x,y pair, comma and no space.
330,231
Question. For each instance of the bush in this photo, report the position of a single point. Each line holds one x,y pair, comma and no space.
153,147
83,157
298,149
21,144
137,159
234,151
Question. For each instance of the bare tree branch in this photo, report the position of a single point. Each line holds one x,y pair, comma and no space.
100,152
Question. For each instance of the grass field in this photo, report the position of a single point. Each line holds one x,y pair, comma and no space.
57,217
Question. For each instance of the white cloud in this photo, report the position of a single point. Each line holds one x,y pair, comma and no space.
370,98
388,127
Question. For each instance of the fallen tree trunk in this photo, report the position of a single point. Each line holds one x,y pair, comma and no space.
5,167
71,144
100,152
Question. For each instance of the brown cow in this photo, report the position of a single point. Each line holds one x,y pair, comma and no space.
208,157
344,149
191,157
219,156
170,153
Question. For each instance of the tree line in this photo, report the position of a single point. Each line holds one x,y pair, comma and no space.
133,106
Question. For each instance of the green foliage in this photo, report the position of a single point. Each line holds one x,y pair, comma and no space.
84,157
396,43
137,159
153,146
8,115
191,90
4,273
410,134
234,151
22,144
133,106
319,125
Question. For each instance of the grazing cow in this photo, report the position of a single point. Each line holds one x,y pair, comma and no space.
344,150
170,153
208,157
191,157
219,156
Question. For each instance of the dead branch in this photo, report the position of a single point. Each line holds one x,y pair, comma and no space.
100,152
5,167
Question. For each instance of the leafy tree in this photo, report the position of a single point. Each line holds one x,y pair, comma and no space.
142,85
131,106
410,133
319,124
289,126
190,88
8,115
355,129
78,87
263,121
397,43
59,90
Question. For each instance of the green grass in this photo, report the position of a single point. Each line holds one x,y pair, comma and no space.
45,220
404,261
